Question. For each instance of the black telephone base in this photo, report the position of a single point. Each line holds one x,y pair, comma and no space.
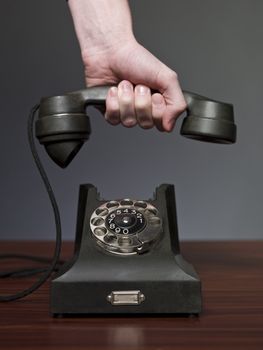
158,281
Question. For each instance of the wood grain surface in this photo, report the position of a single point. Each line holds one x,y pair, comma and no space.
232,317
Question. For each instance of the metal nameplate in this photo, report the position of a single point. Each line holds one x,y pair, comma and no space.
127,297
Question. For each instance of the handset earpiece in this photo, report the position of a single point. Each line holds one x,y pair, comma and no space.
208,120
63,126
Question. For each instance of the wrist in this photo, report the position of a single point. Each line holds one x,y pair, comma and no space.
99,47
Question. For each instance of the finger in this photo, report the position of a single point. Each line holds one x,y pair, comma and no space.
112,114
143,106
158,109
175,102
126,103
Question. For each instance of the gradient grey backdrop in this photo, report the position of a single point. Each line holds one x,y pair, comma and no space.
216,48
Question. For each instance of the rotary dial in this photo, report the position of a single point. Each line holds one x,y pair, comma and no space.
126,227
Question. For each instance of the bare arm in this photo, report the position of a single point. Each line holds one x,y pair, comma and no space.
111,55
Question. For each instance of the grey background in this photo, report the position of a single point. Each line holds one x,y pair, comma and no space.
216,48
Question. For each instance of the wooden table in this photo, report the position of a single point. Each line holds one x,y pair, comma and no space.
232,317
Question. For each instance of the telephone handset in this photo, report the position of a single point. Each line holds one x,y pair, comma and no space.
63,125
127,255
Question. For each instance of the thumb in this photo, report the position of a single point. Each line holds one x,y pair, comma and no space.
169,86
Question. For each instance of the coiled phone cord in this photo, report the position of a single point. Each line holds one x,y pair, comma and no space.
46,272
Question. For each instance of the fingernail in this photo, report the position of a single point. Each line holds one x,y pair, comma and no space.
129,122
126,86
113,91
146,124
142,90
157,99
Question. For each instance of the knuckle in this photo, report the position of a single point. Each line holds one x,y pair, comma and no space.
181,106
145,123
141,107
112,110
112,119
146,126
126,100
173,75
113,122
129,122
112,114
178,108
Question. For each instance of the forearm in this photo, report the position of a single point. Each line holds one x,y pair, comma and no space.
101,24
112,56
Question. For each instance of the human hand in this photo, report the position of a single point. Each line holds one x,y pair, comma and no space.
111,55
136,71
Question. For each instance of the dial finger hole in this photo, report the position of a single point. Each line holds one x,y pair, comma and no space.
100,231
112,204
140,204
126,202
102,211
154,220
97,221
124,241
110,238
151,212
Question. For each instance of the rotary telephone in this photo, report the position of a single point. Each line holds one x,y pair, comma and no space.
127,255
